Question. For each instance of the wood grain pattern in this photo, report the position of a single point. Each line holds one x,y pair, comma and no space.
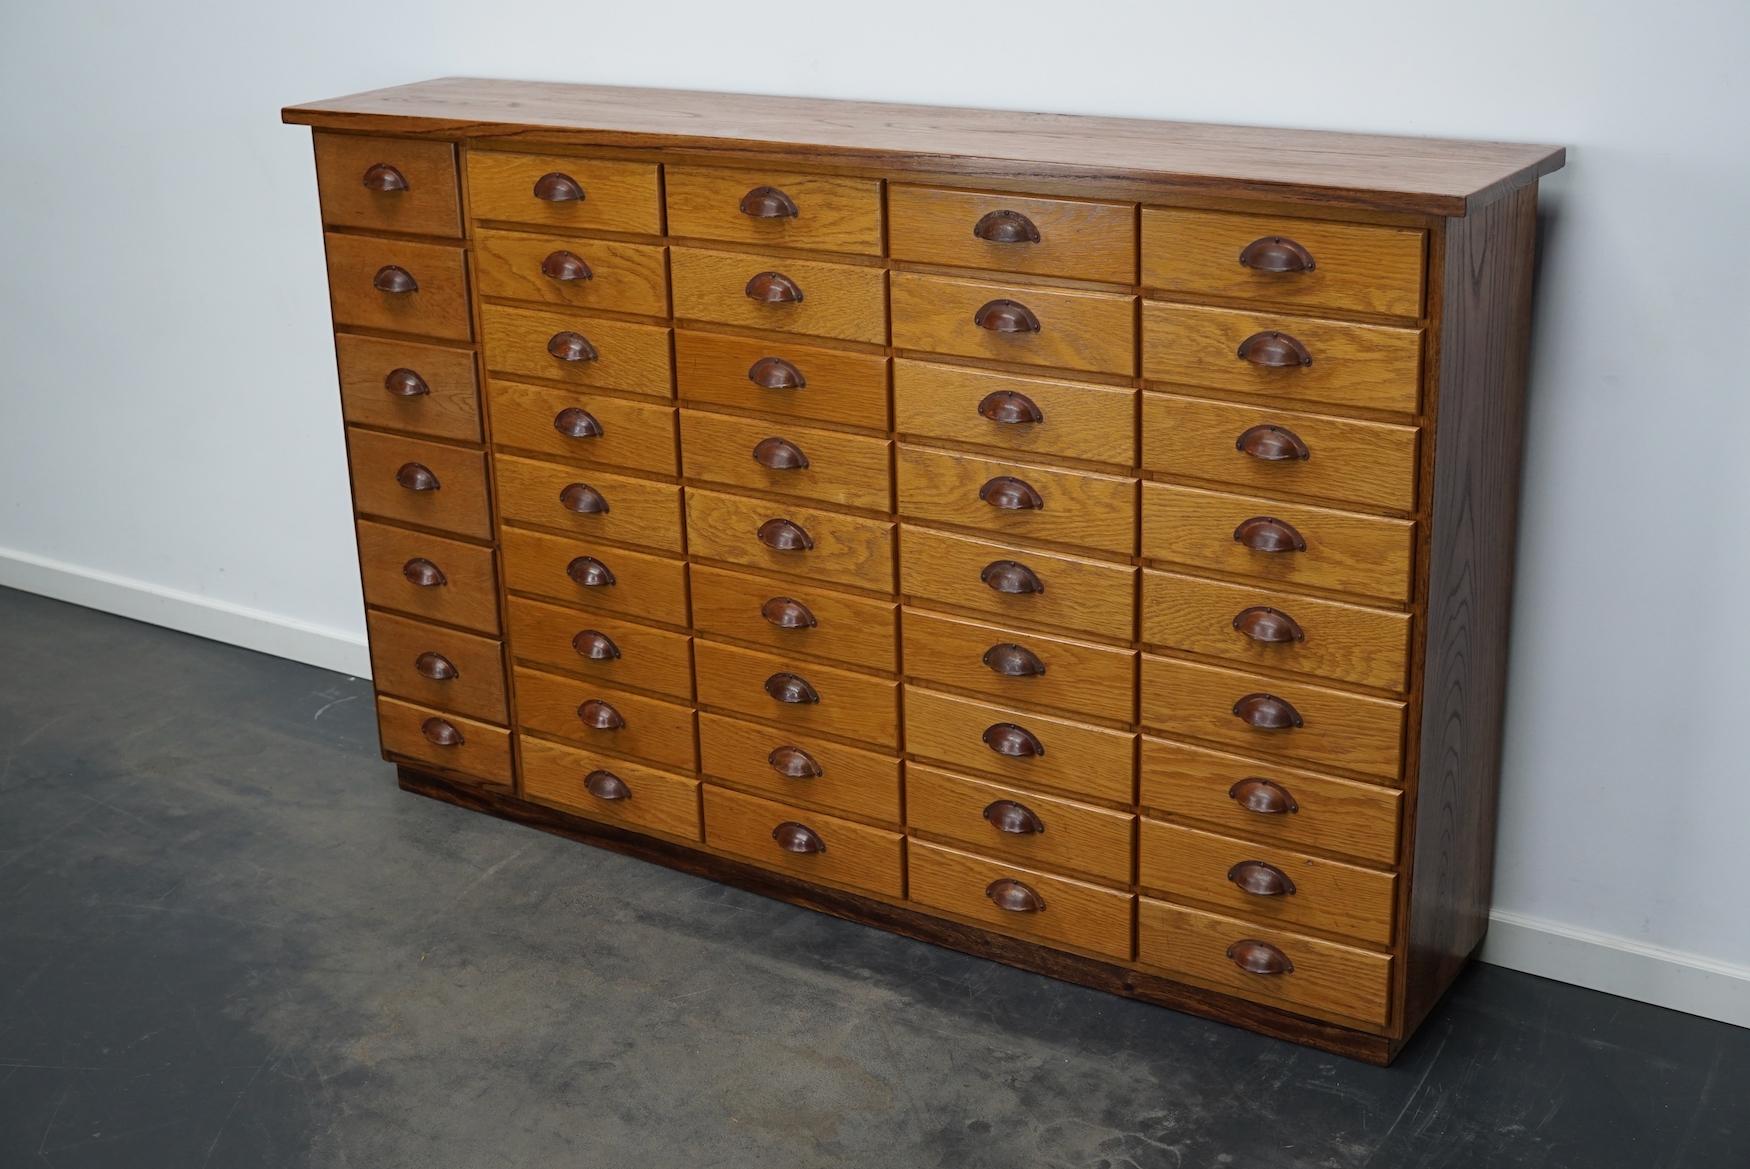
847,549
852,704
1079,677
1090,331
629,356
834,213
1077,838
660,801
639,511
429,203
1080,759
848,388
1081,595
624,278
646,586
450,407
469,595
1077,914
847,469
1084,508
859,630
855,855
853,781
842,301
1079,420
438,309
638,435
1078,239
649,658
654,728
458,503
482,753
617,196
477,687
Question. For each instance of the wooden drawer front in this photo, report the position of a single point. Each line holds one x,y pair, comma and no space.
1376,367
1328,978
618,652
419,482
833,776
460,586
850,388
1298,809
1035,829
1087,241
823,465
595,504
831,212
648,587
1012,665
846,549
1075,420
857,706
1089,596
1070,913
388,184
445,740
361,269
1077,759
1345,730
649,728
437,667
402,385
1370,647
643,799
1355,267
1071,507
846,853
1372,464
624,278
614,432
845,301
627,356
1093,331
616,196
859,631
1353,553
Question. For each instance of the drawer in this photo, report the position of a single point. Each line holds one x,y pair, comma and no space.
1348,267
809,845
593,504
613,791
1061,327
1036,416
1375,367
1024,666
564,346
590,428
819,385
1260,448
565,191
1020,827
983,229
802,696
788,538
782,293
609,649
1309,976
606,719
1327,726
796,617
428,576
1271,803
1051,910
1053,753
830,213
828,466
439,667
444,740
1018,500
1021,585
568,270
800,768
402,385
1268,629
399,286
388,184
599,576
1351,553
419,482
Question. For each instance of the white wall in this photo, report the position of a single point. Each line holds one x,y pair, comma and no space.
170,419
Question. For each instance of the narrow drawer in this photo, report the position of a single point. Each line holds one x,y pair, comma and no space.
1061,327
612,650
444,740
1274,716
599,576
1030,416
399,286
844,301
780,377
1054,911
802,696
789,538
574,271
437,667
827,466
565,191
606,719
805,844
590,428
800,768
403,385
563,345
428,576
796,617
1033,750
1020,827
426,483
613,791
593,504
1018,584
1288,543
1025,666
1018,500
388,184
983,229
830,213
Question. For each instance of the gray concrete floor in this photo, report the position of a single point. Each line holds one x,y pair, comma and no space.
227,939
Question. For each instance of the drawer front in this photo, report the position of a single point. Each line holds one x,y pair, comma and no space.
1225,706
1027,415
444,740
1055,911
796,617
583,194
614,432
399,286
1349,267
581,273
1018,500
782,293
1326,979
798,695
1071,757
830,213
1352,553
614,791
429,576
593,504
606,719
1268,629
388,184
800,768
822,385
1020,585
823,465
831,547
437,667
839,852
1091,331
403,385
1020,827
562,345
426,483
598,576
1375,367
979,229
611,650
1013,665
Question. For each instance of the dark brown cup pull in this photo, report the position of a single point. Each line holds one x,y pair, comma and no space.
1274,351
779,454
435,667
383,178
554,187
583,499
1261,879
1270,626
1015,819
1273,444
1009,408
1266,712
395,280
1276,253
787,614
768,203
589,572
773,288
774,373
404,383
1011,494
1255,957
573,422
785,536
794,763
1011,896
1266,797
1013,661
1005,227
595,646
605,785
800,838
1264,533
1013,741
568,346
791,688
440,733
1006,316
416,477
565,266
424,573
1011,577
599,716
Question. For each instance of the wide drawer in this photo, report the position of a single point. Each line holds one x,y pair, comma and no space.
599,576
606,719
1018,500
1052,910
588,427
1024,666
782,293
1033,750
609,649
803,696
399,286
831,213
437,667
429,576
1031,416
1061,327
574,271
418,482
565,191
403,385
796,617
789,538
800,768
444,740
1018,584
388,184
563,345
805,844
1009,233
1020,827
782,377
827,466
613,791
593,504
